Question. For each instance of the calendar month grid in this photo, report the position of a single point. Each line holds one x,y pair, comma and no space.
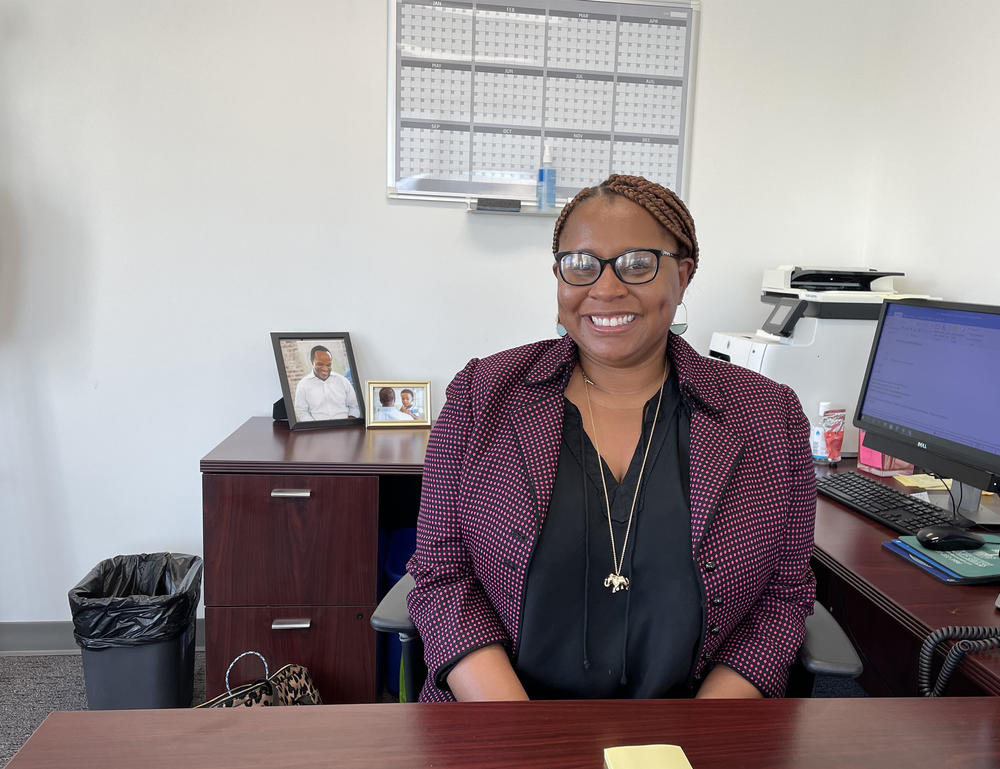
436,151
508,96
435,91
654,159
505,155
514,38
435,31
483,87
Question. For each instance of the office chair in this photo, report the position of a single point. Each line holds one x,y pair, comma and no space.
826,649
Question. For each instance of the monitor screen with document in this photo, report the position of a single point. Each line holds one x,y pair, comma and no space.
931,393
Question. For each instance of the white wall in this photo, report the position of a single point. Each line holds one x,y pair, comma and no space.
179,179
936,161
781,157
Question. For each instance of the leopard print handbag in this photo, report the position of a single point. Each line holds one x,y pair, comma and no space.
290,685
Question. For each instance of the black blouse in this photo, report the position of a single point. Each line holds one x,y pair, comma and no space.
580,640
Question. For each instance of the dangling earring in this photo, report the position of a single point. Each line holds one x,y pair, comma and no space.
560,328
678,327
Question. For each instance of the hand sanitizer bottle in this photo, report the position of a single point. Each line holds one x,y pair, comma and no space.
546,188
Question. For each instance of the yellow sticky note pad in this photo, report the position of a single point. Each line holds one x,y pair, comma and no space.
645,757
929,483
920,481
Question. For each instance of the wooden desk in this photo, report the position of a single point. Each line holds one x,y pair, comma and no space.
291,538
888,606
269,559
715,734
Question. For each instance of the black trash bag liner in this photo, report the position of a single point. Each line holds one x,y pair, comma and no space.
131,600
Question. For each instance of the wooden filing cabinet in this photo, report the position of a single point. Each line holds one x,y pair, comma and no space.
291,532
290,571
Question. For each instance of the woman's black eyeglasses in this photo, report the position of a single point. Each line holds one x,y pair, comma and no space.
635,266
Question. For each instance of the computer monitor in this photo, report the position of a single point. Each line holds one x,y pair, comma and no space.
931,394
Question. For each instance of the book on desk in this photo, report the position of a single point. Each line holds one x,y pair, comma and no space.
959,567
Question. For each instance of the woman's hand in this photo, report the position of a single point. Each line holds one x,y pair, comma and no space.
726,683
486,674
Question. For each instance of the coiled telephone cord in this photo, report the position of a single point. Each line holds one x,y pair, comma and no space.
967,639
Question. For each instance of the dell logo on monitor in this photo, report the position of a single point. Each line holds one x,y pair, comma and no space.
921,444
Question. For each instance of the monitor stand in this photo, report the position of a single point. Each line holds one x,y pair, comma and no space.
984,510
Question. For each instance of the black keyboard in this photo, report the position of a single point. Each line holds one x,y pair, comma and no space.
899,511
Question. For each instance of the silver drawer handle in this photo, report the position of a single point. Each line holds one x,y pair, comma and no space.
290,493
291,624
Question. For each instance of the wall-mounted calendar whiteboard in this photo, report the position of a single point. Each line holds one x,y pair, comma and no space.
477,89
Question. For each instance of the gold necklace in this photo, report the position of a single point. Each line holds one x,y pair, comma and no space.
616,580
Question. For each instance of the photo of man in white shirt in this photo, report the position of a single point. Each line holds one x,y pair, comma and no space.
324,394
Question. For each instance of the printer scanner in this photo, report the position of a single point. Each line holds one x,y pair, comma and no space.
816,337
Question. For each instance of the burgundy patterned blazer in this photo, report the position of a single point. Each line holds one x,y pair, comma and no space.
488,477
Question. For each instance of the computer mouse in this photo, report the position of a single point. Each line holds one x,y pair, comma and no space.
945,536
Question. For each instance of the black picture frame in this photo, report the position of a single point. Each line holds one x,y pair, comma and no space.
292,356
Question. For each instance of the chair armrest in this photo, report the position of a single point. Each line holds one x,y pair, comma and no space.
826,649
391,614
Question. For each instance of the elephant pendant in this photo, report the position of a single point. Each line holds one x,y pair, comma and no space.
616,582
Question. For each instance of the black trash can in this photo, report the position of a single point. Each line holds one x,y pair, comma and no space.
134,619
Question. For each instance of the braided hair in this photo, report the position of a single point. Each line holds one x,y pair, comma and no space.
662,204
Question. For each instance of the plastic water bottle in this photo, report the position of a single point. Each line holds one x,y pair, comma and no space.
546,188
831,432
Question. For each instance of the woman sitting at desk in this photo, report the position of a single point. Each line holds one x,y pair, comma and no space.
610,514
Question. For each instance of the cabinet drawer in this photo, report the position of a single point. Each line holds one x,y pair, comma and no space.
338,647
290,539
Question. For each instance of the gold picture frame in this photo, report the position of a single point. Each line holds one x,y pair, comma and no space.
398,403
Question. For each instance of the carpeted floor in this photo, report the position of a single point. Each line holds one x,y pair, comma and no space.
31,687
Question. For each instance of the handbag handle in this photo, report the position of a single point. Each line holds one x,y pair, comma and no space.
241,656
